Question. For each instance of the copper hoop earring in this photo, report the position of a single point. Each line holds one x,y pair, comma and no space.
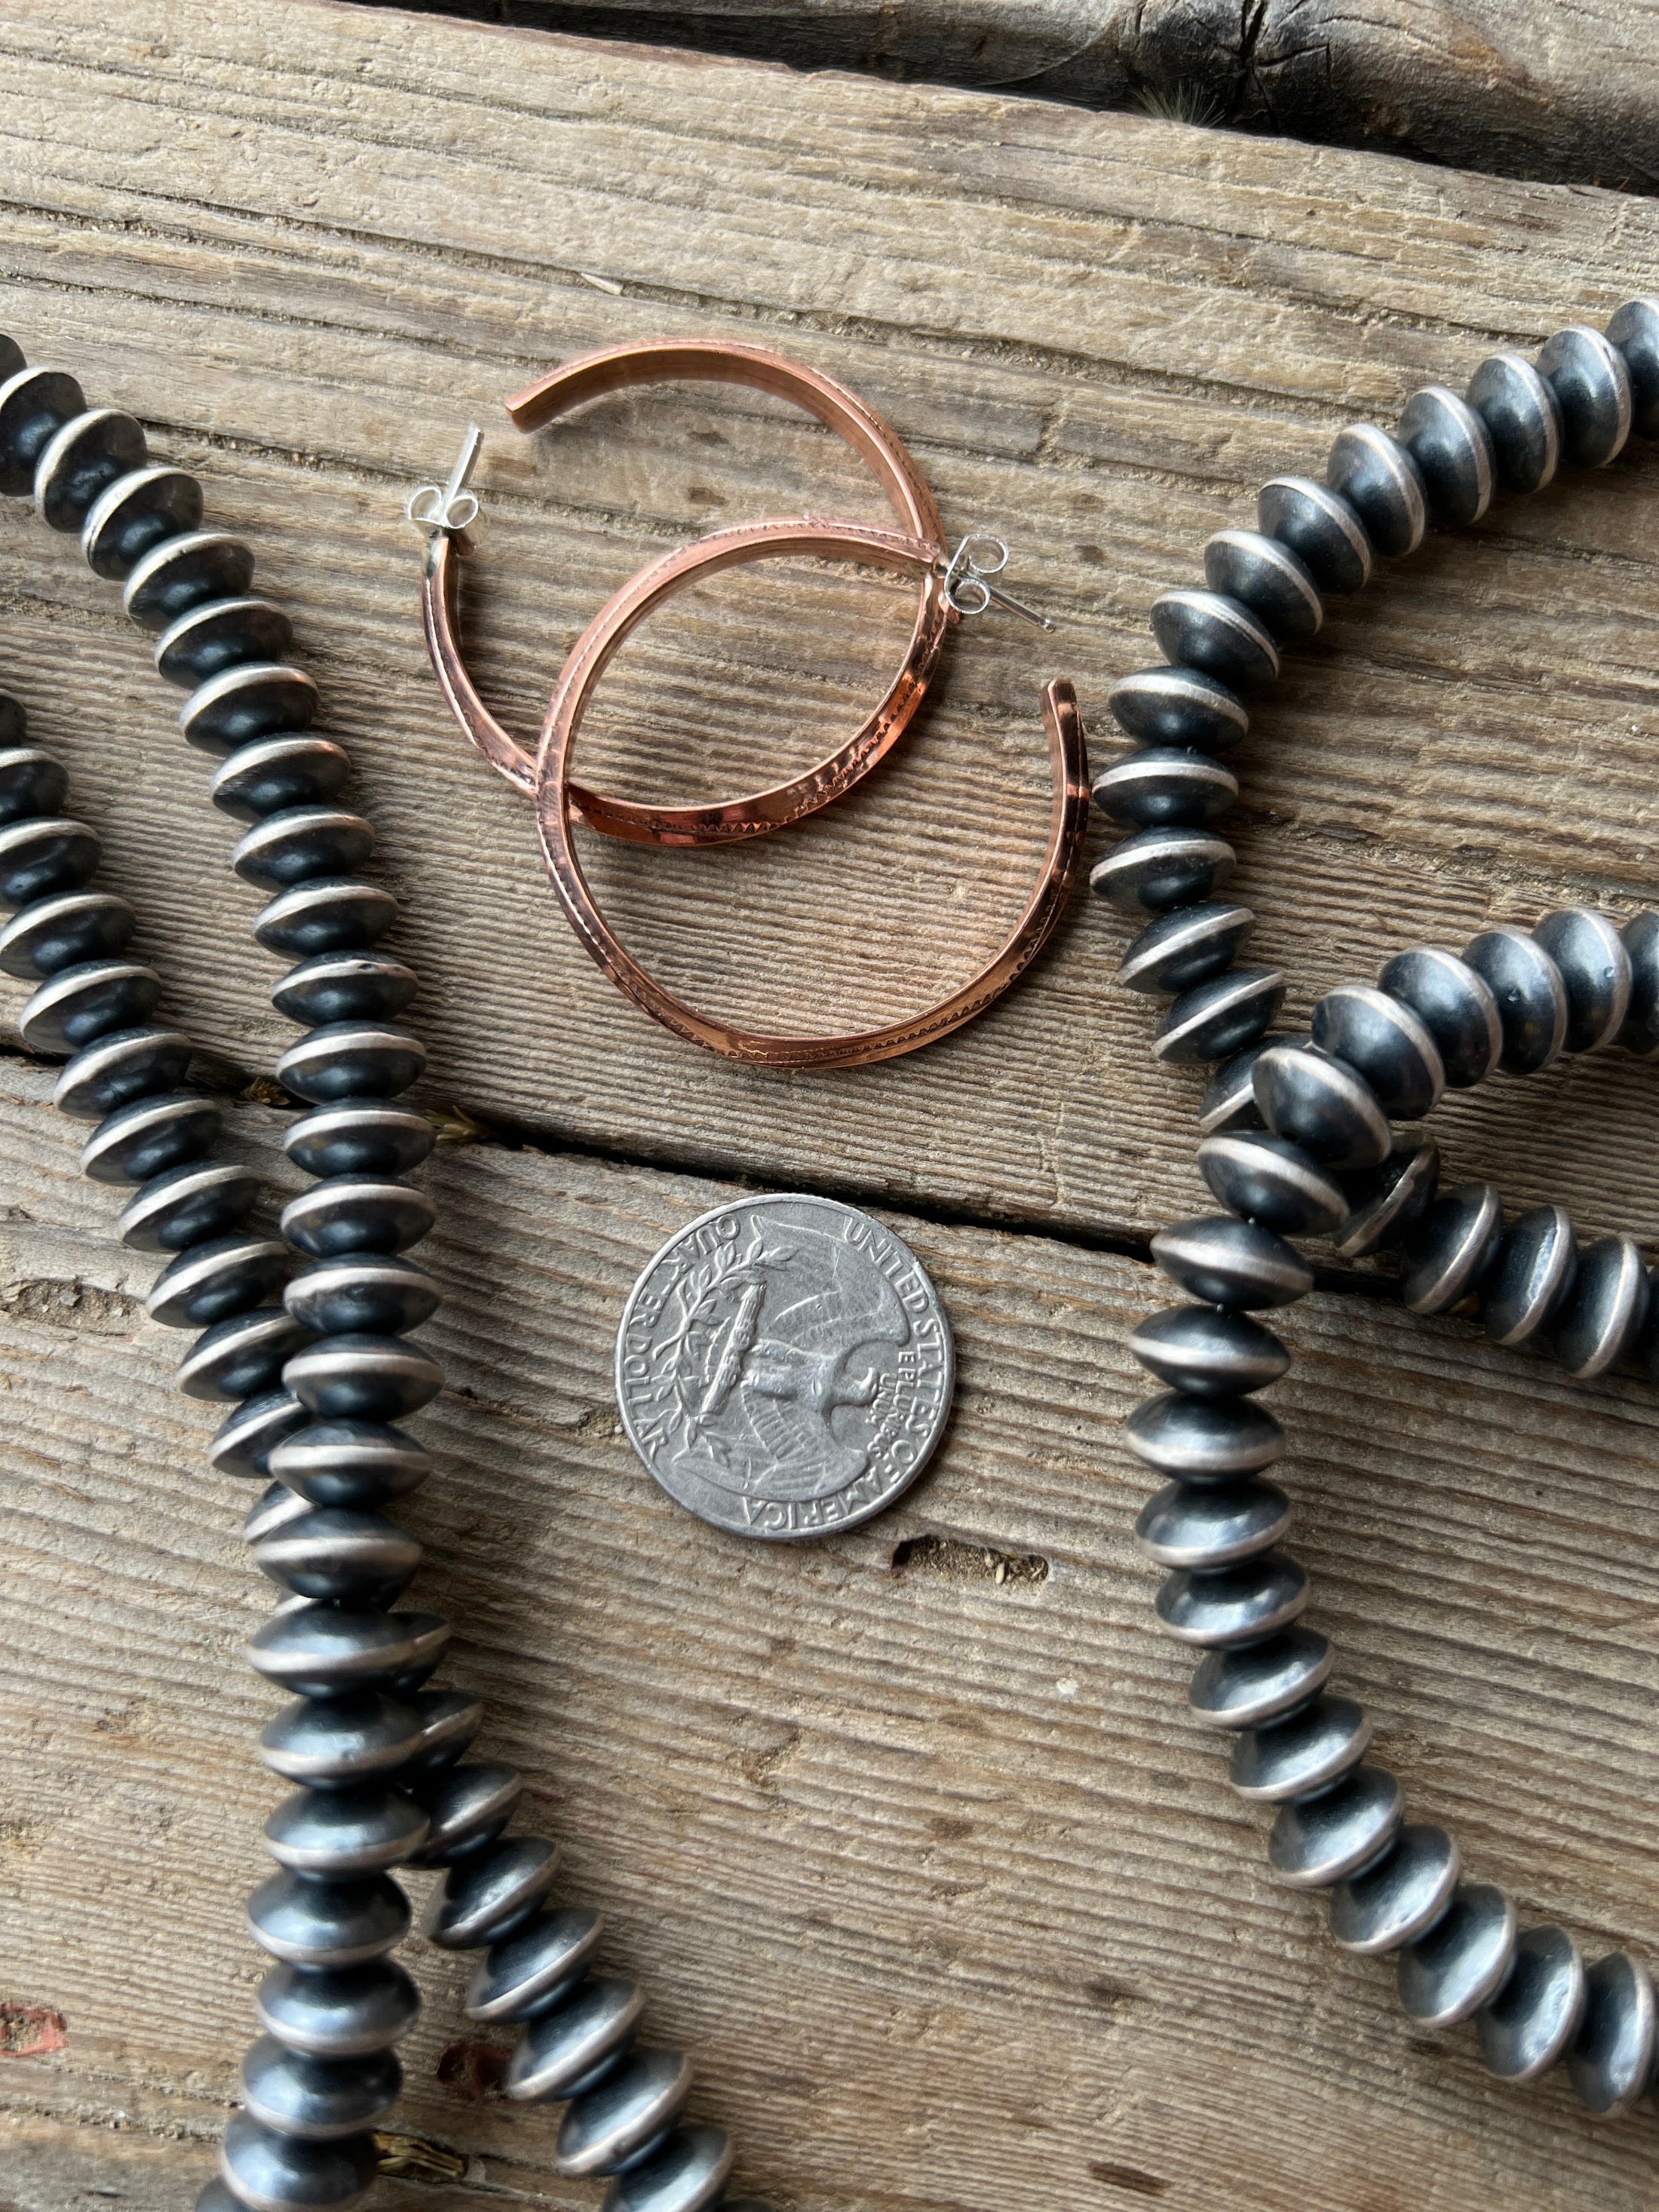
708,361
589,658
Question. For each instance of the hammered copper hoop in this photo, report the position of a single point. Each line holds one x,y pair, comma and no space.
709,361
589,658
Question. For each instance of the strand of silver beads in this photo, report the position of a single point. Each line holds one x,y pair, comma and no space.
317,1373
1297,1142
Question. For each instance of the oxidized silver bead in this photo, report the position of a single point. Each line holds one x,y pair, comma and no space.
1532,999
142,1139
333,1742
611,2126
1402,1897
1451,1248
317,2098
1322,1105
1178,707
576,2042
339,1554
339,2012
135,513
364,1378
277,773
372,1291
245,1439
34,404
1526,1283
1215,1020
1243,1604
1320,528
255,699
221,1276
1185,947
41,856
50,934
1215,1526
1229,1100
1640,939
1390,1199
351,1059
449,1719
220,635
1454,1005
204,565
1534,2017
1157,869
323,1650
1316,1842
31,782
352,1213
240,1357
1275,584
1228,1262
273,1509
1605,1309
1257,1683
1596,972
1204,1439
1383,485
1208,1353
1386,1043
468,1807
346,1831
1635,331
269,2172
1519,410
325,915
91,999
529,1971
1610,2060
313,1922
1307,1751
687,2174
359,1463
344,987
88,452
118,1067
1587,373
1461,1963
1453,448
1274,1181
490,1894
301,842
1164,786
359,1137
1208,631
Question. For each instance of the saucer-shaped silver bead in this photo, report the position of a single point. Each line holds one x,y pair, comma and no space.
1451,1248
1307,1751
337,1742
1229,1100
1383,485
1389,1201
1587,373
147,1135
576,2042
1260,1682
273,1509
1527,1281
220,635
328,914
340,1553
1611,2058
688,2173
345,986
1207,1353
118,1067
359,1137
1320,528
1164,786
1216,1525
303,843
41,856
491,1892
353,1830
243,1440
310,1922
324,1650
1186,947
373,1292
1210,631
1532,999
317,2098
1232,1605
1270,1179
339,2012
1534,2017
136,513
610,2126
528,1972
1402,1897
1215,1020
1453,448
1385,1043
269,2172
31,782
242,1357
364,1378
1640,939
1158,869
91,999
1606,1308
1178,707
221,1276
183,573
1595,970
1461,1963
1204,1439
1520,411
1635,331
1275,584
1322,1105
351,1059
278,773
361,1463
1228,1262
255,699
356,1213
53,933
1315,1842
34,404
467,1806
88,452
449,1719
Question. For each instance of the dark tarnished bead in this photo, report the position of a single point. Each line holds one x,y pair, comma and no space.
1383,484
610,2126
80,459
1529,2023
346,1831
341,1553
240,1357
1320,528
221,1276
1605,1309
1461,1963
490,1894
11,357
1310,1750
1264,575
1229,1100
1384,1042
351,1059
1532,999
687,2174
221,634
301,843
279,774
50,934
317,2098
449,1721
183,573
1228,1262
468,1807
1389,1201
90,1001
1158,869
1257,1683
528,1972
1178,707
374,1293
1209,631
1322,1105
118,1066
1274,1181
1214,1019
328,915
354,1463
34,404
1640,939
254,699
349,1214
137,512
272,1510
245,1439
1595,970
1208,1353
339,2012
138,1140
359,1377
32,783
339,1742
1186,947
269,2172
1216,1525
359,1137
313,1923
1526,1283
1204,1439
344,987
1451,1248
1164,786
1587,373
1635,331
1454,1005
41,856
1243,1604
323,1650
1610,2060
1316,1842
1401,1898
1519,410
575,2042
1452,449
182,1206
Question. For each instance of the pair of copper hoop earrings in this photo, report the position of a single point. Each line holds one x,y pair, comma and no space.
946,589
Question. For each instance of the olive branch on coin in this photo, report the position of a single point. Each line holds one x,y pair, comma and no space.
700,1393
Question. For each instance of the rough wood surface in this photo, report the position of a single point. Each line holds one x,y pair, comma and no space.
951,1901
1564,92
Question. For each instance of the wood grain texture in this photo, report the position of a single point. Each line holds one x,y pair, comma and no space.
951,1901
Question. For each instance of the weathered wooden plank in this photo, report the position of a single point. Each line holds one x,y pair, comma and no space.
336,234
952,1903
